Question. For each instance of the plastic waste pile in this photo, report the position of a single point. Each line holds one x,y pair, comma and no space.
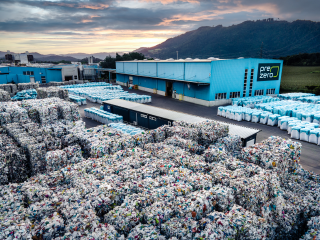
55,160
4,96
95,142
250,102
142,188
12,89
78,100
26,94
52,92
91,84
298,129
126,129
246,114
13,162
102,116
99,92
302,111
313,229
43,111
34,141
311,99
294,96
27,86
34,127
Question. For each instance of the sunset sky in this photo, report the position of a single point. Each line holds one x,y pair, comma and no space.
91,26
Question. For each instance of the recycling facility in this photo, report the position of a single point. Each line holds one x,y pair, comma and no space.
186,178
187,181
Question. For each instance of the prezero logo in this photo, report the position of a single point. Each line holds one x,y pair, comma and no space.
268,71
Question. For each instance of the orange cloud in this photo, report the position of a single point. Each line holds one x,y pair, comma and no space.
95,7
217,14
171,1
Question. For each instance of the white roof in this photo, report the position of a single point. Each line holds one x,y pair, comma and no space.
240,131
180,60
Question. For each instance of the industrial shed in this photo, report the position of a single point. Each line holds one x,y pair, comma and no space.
207,82
150,117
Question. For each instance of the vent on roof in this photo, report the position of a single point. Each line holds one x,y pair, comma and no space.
145,59
188,58
196,59
213,58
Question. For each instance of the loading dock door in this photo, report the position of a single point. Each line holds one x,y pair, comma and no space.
133,117
155,122
143,120
32,79
107,108
161,122
122,112
68,78
152,122
169,89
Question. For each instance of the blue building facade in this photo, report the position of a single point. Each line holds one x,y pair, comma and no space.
29,74
207,82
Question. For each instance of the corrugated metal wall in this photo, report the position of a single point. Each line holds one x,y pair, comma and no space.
224,76
147,69
228,76
200,72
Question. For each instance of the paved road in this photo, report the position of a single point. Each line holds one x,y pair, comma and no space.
310,154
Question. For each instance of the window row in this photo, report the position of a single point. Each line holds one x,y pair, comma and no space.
271,91
235,95
221,96
258,92
251,82
238,94
245,83
28,73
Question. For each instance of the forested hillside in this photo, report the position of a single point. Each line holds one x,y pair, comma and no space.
269,39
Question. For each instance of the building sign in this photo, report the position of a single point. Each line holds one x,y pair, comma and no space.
268,71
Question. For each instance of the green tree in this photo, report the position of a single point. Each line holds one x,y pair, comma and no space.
136,55
109,62
118,57
317,90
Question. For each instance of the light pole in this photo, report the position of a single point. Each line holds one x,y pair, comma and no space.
177,55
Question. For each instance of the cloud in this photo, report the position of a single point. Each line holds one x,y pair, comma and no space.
77,5
172,1
131,23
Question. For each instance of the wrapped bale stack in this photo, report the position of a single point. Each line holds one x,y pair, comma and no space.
13,162
25,94
53,92
206,132
27,86
4,96
156,188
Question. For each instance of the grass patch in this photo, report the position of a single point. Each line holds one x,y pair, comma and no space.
296,79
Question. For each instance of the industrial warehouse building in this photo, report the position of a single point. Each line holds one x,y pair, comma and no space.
207,82
38,74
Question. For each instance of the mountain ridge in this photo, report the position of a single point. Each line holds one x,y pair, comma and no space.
275,38
73,57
